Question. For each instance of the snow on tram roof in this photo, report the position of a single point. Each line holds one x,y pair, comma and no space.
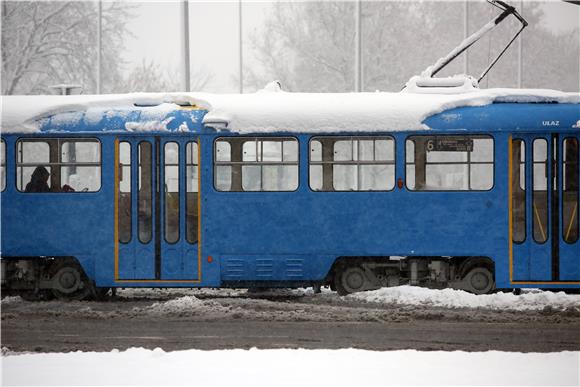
268,110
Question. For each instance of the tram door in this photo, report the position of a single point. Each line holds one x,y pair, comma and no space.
157,208
544,189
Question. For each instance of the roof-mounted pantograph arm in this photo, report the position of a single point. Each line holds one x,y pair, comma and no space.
469,41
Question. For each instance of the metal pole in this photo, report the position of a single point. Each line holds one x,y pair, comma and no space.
185,23
465,35
241,70
99,44
520,52
358,49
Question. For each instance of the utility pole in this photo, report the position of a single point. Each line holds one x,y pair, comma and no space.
241,70
465,35
99,44
358,48
185,26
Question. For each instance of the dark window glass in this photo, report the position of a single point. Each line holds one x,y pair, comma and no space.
2,165
352,164
145,196
518,190
256,164
449,163
171,189
540,190
191,203
570,213
124,192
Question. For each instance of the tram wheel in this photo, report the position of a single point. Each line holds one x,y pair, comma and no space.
479,280
350,279
70,282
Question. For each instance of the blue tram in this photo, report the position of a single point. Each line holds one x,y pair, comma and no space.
481,198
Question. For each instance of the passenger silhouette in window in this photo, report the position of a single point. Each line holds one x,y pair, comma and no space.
38,181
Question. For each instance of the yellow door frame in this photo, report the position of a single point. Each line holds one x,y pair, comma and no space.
510,233
116,215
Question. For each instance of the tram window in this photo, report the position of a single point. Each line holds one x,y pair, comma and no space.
2,165
540,190
256,164
519,190
191,203
223,173
450,163
81,165
145,193
71,164
124,192
570,210
31,154
352,164
171,189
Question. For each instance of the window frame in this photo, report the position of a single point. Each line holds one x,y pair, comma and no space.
242,163
522,166
165,193
357,163
59,164
130,192
468,162
139,189
196,192
536,216
577,140
4,165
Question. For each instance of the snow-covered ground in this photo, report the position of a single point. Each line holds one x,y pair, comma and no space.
139,366
175,300
450,298
532,299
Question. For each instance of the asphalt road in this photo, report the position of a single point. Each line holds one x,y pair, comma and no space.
279,322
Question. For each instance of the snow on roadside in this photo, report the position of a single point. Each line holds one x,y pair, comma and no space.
11,300
451,298
176,301
138,366
185,304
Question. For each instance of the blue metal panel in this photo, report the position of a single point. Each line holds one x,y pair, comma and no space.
327,225
288,236
509,117
59,224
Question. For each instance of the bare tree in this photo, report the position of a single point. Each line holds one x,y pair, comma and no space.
149,76
310,46
54,42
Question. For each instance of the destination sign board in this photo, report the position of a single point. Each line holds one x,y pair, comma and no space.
450,145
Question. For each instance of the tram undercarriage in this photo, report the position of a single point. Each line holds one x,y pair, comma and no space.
355,274
44,278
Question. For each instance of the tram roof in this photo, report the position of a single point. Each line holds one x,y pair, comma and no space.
277,111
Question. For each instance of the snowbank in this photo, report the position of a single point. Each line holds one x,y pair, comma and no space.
274,110
139,366
450,298
176,301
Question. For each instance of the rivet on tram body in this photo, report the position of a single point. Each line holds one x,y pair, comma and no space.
400,183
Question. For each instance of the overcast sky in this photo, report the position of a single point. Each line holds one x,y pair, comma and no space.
214,34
